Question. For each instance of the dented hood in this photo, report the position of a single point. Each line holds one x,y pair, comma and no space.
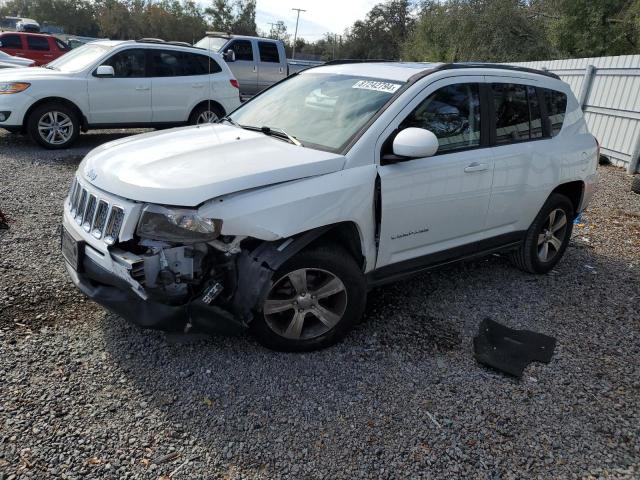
188,166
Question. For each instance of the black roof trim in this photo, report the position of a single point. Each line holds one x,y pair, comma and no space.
346,61
449,66
497,66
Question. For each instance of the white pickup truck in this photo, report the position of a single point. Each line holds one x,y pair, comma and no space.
282,216
256,62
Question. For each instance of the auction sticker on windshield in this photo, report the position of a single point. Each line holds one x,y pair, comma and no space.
378,86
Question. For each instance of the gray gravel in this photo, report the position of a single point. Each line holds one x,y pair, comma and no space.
85,395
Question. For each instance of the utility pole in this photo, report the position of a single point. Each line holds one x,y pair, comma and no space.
272,24
295,35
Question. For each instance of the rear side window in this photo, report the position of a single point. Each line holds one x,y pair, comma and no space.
512,113
268,52
242,49
195,64
556,106
11,41
452,113
128,64
38,43
169,63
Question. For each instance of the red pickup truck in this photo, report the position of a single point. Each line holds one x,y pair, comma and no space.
35,46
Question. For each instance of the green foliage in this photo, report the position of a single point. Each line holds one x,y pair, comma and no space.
429,30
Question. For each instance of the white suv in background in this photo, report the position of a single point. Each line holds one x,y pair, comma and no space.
116,84
281,217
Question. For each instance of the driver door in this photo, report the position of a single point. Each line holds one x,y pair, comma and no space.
435,204
124,98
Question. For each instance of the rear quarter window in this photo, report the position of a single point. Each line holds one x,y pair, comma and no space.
556,106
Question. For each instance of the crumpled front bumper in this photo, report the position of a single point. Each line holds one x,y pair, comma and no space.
115,294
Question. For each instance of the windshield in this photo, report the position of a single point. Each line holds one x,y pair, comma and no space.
320,110
212,43
80,58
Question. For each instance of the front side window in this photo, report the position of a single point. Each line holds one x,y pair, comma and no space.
322,110
128,64
556,105
11,41
268,52
242,49
38,43
452,113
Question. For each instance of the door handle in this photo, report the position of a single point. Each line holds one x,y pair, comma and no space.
255,69
141,88
476,167
197,85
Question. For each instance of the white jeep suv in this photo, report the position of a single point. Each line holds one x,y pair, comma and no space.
280,218
116,84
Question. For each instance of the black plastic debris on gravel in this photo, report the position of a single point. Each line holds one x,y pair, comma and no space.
511,351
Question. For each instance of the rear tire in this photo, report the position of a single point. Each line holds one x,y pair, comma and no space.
547,238
53,126
316,297
204,114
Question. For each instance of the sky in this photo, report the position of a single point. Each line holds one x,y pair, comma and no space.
321,16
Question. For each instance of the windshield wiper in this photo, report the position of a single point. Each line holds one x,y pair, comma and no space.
279,132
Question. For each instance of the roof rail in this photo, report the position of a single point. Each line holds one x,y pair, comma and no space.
497,66
150,40
180,44
346,61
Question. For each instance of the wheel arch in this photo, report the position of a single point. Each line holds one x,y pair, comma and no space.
347,235
574,191
213,103
62,100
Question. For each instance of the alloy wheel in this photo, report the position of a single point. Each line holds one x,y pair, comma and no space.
206,117
305,304
552,235
55,128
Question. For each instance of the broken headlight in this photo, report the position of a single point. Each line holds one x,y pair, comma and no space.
177,225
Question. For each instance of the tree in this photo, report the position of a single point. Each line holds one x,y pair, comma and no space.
279,32
237,16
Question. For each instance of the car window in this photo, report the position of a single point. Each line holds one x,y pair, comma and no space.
38,43
556,106
535,113
128,63
512,112
61,45
11,41
242,49
195,64
268,52
452,113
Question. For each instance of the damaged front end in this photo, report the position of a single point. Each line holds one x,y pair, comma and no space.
169,268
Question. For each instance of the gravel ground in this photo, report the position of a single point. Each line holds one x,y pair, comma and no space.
85,395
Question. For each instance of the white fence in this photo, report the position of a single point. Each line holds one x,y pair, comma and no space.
608,88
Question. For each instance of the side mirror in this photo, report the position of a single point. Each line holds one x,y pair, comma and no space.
415,143
105,71
229,56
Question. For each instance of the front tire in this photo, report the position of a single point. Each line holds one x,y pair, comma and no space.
53,126
548,236
316,297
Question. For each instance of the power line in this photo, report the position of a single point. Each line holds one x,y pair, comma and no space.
295,35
